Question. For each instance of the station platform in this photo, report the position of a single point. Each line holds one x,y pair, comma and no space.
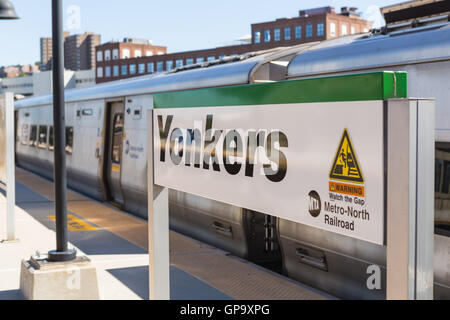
116,242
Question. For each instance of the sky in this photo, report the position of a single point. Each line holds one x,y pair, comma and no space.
180,25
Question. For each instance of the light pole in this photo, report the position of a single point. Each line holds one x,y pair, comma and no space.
62,253
7,11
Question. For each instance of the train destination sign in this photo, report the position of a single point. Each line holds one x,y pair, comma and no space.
315,163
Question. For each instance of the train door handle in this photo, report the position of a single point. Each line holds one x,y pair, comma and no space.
222,229
316,261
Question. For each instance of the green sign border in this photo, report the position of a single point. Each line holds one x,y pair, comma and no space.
355,87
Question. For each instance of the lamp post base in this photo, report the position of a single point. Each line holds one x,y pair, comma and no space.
56,256
69,280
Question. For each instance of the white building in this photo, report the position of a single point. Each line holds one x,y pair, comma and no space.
40,83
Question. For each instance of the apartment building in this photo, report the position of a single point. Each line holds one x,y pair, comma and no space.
79,51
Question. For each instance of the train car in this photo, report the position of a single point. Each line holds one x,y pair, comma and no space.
338,264
106,147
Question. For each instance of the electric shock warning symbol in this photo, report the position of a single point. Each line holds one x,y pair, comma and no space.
345,166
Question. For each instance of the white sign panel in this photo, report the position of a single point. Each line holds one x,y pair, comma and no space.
320,164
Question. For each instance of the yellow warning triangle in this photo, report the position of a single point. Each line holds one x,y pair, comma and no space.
345,166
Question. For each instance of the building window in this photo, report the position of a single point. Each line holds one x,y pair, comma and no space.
211,58
221,56
107,72
169,65
366,30
159,66
115,71
141,68
124,70
99,55
333,29
150,67
266,35
179,63
344,30
115,54
107,55
200,60
257,37
352,30
160,53
189,61
287,33
137,53
99,72
132,69
276,34
149,53
309,31
298,32
320,29
125,53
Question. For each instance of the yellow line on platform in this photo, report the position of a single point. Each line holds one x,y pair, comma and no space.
75,224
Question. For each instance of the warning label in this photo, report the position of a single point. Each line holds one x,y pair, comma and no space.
345,166
350,189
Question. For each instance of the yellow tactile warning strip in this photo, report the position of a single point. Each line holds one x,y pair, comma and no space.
230,275
75,224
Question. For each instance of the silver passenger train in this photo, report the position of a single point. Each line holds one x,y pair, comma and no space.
106,147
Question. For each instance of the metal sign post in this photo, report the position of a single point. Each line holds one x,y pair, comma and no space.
7,165
410,199
158,227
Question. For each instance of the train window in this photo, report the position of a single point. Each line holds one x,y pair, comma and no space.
33,136
50,139
25,134
117,137
446,180
437,174
42,139
69,140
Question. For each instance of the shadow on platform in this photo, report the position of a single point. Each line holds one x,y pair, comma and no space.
94,242
11,295
183,286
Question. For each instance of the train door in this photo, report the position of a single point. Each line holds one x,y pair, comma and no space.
114,152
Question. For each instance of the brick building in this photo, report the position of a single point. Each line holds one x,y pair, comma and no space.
311,25
18,70
79,51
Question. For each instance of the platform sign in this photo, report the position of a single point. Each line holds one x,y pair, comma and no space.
309,151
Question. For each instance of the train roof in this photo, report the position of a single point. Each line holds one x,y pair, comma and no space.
415,45
222,72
